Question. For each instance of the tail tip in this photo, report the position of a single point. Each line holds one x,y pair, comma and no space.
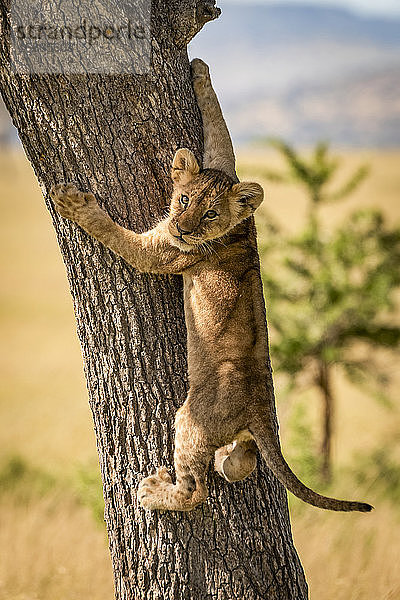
364,507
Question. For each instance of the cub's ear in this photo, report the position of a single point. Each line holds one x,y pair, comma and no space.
184,167
245,198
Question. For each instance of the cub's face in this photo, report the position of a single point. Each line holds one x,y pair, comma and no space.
206,204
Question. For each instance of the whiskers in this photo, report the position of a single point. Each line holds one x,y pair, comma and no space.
207,248
220,241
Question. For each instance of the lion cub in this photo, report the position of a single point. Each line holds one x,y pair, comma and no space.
209,239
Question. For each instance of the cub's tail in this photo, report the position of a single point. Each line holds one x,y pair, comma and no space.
272,454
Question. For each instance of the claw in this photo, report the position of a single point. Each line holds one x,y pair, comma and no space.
163,474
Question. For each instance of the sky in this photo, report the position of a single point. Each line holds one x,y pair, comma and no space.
376,7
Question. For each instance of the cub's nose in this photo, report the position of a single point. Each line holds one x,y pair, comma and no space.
183,231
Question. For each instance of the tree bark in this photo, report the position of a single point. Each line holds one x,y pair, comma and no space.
116,136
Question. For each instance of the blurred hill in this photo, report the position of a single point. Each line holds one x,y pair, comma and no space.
305,72
301,72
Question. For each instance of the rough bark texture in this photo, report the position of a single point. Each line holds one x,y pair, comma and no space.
116,136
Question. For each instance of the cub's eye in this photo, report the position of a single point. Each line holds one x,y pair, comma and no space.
184,200
211,214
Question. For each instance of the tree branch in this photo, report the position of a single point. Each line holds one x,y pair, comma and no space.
191,18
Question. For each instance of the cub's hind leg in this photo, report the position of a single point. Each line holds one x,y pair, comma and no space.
192,457
237,460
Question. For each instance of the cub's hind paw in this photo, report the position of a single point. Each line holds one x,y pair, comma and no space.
153,491
237,460
157,492
70,202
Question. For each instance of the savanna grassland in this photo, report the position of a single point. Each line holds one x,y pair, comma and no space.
52,540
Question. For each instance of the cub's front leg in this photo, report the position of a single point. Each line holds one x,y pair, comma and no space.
83,209
218,148
150,252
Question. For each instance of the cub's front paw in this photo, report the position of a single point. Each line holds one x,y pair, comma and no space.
200,75
72,203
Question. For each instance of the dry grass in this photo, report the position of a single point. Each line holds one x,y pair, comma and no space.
44,412
350,557
51,549
50,546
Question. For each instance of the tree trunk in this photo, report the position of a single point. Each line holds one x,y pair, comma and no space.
116,136
324,383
